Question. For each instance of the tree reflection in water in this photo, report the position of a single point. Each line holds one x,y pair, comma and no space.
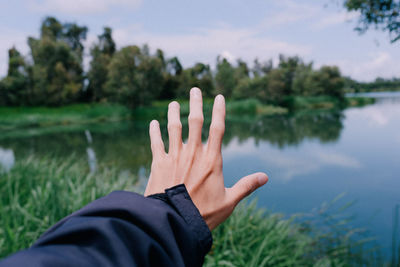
127,146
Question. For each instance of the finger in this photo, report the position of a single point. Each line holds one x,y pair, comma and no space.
195,117
157,145
217,127
246,186
174,127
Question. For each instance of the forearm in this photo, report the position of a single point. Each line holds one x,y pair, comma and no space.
123,229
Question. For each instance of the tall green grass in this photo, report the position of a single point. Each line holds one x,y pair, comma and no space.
36,193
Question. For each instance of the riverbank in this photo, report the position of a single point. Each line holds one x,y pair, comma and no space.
31,117
12,118
36,193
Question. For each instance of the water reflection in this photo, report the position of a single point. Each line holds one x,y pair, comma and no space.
90,153
7,159
288,130
127,146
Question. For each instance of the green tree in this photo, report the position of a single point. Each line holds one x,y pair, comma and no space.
277,85
384,14
225,77
14,88
172,78
288,66
134,76
197,76
57,72
101,53
301,81
327,81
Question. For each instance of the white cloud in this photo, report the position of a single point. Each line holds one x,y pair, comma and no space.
373,115
378,64
205,44
81,6
290,165
291,12
340,160
334,19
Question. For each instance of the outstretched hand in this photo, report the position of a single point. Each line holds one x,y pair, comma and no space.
197,166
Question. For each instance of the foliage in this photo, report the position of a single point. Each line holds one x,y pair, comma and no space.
101,53
384,14
135,77
379,84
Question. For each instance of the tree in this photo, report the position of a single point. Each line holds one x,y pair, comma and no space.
225,77
134,76
327,81
14,88
260,69
101,53
57,72
289,65
197,76
172,78
383,14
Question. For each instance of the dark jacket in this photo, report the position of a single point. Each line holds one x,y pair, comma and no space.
124,229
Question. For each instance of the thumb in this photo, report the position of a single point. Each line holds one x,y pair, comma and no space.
246,185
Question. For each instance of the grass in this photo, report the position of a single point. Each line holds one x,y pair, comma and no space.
29,117
36,193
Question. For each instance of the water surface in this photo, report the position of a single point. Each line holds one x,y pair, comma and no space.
310,157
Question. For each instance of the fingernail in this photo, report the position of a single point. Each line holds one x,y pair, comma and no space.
219,99
153,123
173,104
195,91
262,179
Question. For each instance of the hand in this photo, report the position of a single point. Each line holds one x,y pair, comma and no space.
197,166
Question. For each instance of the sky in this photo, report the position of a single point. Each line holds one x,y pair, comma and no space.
198,31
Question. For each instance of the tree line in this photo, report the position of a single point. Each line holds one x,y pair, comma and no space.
53,73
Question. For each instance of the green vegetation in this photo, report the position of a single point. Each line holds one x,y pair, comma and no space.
382,14
379,85
37,193
135,77
27,117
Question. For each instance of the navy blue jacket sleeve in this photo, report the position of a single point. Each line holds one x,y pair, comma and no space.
124,229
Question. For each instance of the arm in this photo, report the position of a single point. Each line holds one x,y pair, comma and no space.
122,229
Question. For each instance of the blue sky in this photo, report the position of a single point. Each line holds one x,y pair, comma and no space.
318,31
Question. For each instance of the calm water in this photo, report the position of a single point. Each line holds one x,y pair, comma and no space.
310,157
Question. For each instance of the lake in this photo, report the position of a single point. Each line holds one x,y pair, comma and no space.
311,157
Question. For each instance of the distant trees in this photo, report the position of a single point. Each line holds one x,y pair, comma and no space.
101,54
384,14
380,84
53,74
291,77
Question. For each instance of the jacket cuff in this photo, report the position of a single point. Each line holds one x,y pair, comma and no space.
178,197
